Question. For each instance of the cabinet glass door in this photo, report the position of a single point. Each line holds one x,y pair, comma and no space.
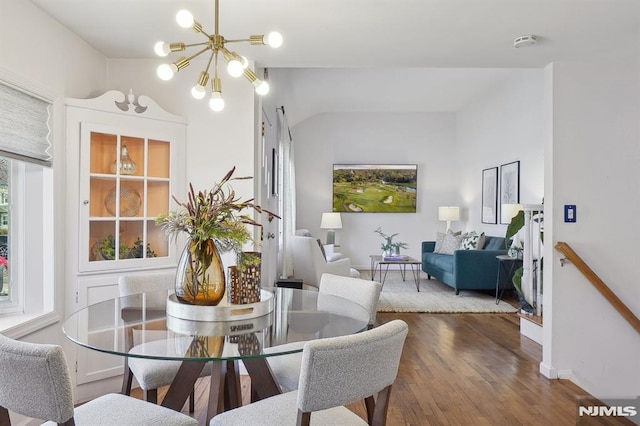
128,178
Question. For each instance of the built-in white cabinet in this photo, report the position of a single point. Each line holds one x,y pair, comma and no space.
125,158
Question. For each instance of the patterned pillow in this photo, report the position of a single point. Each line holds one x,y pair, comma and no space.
472,241
440,238
450,244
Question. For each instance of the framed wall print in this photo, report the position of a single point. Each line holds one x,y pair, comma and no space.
509,184
490,195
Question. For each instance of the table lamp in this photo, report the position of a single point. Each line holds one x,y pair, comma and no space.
449,214
331,221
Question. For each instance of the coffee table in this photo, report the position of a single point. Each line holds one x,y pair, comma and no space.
377,261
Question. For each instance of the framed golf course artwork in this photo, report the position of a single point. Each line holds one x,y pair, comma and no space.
375,188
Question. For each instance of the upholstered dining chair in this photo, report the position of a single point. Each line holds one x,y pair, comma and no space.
35,382
150,373
286,368
335,371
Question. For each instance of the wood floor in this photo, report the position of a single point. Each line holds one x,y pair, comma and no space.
465,369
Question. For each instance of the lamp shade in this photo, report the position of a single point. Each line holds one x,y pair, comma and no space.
449,213
331,221
508,211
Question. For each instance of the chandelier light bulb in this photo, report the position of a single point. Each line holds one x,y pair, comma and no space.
161,48
198,91
166,71
235,68
216,102
262,87
245,62
274,39
184,18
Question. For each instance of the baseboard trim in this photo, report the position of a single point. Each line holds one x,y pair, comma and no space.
548,371
531,330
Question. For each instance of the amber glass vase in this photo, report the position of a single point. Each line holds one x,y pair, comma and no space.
200,275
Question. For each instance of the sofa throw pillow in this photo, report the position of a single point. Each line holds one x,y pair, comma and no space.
450,244
472,241
440,238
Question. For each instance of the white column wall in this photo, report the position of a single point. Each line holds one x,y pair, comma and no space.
504,125
594,165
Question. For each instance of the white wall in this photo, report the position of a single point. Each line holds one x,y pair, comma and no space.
506,124
594,165
40,55
425,139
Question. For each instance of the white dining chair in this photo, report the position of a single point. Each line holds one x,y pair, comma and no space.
150,374
366,293
35,382
335,371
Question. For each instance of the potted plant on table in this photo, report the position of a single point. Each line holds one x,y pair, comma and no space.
215,221
390,247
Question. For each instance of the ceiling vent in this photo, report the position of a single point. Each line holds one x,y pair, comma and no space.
524,40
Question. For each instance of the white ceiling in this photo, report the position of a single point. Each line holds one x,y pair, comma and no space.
389,34
368,33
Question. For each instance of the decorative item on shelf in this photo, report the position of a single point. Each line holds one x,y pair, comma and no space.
130,201
136,250
214,222
105,249
236,65
331,221
448,214
126,166
244,286
389,247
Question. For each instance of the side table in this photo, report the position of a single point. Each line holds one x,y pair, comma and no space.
507,265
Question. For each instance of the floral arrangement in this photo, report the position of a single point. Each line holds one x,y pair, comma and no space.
388,245
217,214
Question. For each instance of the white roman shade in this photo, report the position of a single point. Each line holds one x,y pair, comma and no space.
24,129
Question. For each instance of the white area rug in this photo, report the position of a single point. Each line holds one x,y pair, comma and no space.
434,297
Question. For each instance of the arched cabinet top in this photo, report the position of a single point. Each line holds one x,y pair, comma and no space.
128,104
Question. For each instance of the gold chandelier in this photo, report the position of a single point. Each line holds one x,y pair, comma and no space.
236,65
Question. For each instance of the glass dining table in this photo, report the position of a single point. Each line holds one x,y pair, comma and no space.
139,326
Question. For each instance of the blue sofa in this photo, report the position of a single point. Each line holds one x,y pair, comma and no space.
465,269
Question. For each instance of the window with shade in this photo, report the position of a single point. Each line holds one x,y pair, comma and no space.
26,204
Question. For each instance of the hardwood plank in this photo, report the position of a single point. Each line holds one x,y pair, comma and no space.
463,369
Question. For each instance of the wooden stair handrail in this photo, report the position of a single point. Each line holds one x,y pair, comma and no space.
599,284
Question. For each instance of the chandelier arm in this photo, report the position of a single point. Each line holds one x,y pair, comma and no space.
209,62
195,55
237,40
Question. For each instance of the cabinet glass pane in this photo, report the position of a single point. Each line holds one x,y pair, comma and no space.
99,191
158,199
101,236
103,152
131,199
159,156
134,148
158,241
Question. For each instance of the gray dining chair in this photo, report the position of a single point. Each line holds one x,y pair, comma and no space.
335,371
366,293
35,382
150,374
